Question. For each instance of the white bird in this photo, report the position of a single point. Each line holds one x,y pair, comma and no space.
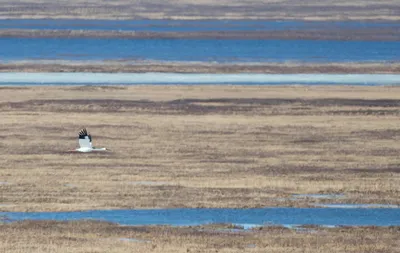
85,143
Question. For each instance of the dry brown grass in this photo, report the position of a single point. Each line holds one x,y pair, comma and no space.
205,9
205,146
88,236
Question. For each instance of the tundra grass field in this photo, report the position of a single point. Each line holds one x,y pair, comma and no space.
89,236
198,146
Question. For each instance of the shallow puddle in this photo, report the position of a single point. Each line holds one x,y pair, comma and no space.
317,196
356,206
148,183
133,240
70,185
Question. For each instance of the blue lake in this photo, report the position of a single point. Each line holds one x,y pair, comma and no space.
245,217
231,51
186,25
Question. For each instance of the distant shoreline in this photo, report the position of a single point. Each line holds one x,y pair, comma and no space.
365,34
189,67
201,9
375,19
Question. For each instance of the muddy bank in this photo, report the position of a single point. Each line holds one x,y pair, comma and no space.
132,67
365,34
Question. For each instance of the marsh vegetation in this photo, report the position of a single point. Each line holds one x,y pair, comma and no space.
200,146
90,236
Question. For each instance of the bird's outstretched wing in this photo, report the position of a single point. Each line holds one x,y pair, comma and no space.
85,140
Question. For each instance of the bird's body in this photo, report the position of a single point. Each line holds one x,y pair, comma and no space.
85,143
85,150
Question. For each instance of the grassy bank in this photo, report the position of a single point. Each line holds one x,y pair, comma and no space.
318,33
194,67
89,236
198,146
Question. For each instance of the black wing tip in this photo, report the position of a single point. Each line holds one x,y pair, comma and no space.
83,133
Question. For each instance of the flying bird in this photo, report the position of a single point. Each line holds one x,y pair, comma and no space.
85,143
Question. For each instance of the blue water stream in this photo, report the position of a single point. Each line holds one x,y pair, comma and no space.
246,217
209,50
193,79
